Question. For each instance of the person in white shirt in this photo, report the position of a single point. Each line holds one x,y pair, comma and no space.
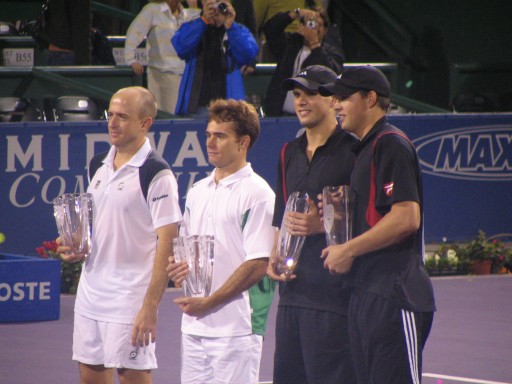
222,334
157,22
135,218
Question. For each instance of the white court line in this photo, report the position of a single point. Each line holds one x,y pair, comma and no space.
446,377
461,379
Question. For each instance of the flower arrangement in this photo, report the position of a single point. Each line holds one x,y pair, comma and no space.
493,250
70,272
493,253
446,261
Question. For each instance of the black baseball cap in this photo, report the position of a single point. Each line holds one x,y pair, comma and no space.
363,78
310,78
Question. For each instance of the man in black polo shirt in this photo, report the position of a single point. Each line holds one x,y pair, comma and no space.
311,328
391,308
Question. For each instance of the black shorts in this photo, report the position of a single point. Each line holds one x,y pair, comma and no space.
312,347
386,341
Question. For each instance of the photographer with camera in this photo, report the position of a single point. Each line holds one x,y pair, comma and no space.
296,51
214,48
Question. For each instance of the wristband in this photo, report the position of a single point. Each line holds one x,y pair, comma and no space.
204,19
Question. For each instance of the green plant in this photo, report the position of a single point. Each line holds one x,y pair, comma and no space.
70,272
481,248
445,261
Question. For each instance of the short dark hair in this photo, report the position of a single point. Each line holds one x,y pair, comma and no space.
382,101
241,113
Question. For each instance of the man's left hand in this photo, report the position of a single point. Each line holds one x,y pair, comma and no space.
193,306
144,328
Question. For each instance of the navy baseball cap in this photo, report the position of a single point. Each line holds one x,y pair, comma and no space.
310,78
364,78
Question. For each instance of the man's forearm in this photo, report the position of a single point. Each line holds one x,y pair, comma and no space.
244,277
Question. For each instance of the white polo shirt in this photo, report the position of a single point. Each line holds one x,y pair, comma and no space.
238,212
116,275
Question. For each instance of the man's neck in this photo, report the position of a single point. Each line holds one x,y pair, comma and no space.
124,155
222,173
318,135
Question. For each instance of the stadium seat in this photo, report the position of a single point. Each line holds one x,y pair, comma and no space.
16,109
8,29
76,108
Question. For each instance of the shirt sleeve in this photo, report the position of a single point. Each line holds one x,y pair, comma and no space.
258,231
163,199
137,31
396,172
279,203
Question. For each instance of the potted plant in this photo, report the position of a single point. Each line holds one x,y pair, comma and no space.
485,255
445,261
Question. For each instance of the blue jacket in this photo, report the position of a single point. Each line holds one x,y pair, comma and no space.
241,50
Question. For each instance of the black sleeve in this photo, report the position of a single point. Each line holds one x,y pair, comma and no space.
80,20
275,35
279,205
396,173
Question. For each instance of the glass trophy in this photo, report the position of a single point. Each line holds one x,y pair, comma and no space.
337,214
197,251
73,215
289,246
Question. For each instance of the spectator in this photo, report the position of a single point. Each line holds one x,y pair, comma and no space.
267,9
134,221
245,15
391,308
157,22
295,51
214,48
312,342
68,32
222,334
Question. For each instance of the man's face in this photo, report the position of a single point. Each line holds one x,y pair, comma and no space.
126,128
311,108
351,111
226,151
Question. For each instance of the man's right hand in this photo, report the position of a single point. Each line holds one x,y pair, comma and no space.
66,254
177,271
138,68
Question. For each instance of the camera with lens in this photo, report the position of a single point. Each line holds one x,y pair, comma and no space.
312,24
221,7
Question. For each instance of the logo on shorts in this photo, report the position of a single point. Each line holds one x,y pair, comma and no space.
133,355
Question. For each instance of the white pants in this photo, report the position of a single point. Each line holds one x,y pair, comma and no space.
109,344
165,87
222,360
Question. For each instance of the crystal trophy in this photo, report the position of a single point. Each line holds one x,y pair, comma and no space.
197,252
73,215
289,246
337,214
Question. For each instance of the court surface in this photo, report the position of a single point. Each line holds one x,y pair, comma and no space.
470,342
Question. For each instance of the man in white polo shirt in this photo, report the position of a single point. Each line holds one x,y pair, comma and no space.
222,334
136,213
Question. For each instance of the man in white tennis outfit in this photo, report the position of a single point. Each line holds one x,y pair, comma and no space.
136,212
222,334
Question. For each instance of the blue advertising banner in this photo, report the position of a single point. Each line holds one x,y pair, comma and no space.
29,288
466,163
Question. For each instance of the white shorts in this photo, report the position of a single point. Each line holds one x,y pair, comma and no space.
223,360
109,344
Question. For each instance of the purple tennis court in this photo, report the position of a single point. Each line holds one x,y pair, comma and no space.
471,339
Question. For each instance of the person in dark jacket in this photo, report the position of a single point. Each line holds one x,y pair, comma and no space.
214,48
295,51
68,32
